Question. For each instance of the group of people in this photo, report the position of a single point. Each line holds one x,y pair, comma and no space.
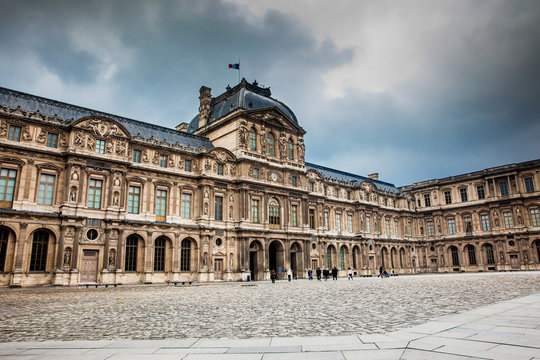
320,274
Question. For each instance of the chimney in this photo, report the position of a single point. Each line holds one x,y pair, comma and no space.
374,176
205,99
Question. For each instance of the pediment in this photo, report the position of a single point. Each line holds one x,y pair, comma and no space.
222,154
273,117
102,127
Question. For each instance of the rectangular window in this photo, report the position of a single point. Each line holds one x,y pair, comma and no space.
46,189
134,199
161,205
447,197
186,206
504,188
368,225
485,222
100,146
14,133
463,193
187,165
508,223
94,194
451,227
387,223
468,224
294,181
529,184
218,208
427,200
163,161
535,218
430,228
311,187
349,221
255,211
326,220
325,191
52,140
220,169
409,228
294,215
256,173
338,222
480,191
312,218
396,232
136,156
7,187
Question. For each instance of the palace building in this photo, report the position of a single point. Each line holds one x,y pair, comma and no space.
88,197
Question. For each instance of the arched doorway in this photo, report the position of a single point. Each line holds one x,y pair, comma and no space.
384,257
296,259
256,260
356,257
276,256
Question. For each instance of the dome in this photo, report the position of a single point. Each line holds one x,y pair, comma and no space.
244,96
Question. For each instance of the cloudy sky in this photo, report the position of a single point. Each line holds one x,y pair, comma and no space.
413,90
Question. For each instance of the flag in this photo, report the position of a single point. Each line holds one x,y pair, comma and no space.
234,66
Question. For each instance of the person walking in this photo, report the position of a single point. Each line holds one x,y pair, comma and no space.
381,269
318,274
334,273
325,274
273,276
350,274
289,274
310,274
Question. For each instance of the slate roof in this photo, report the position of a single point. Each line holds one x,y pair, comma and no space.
72,113
244,96
351,178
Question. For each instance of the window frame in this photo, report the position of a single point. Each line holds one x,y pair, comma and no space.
101,144
14,135
484,220
49,188
93,193
270,144
136,156
451,226
163,159
52,139
253,139
255,211
481,192
131,199
185,204
161,204
463,194
218,208
529,184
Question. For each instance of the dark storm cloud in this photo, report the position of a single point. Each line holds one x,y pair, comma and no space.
474,104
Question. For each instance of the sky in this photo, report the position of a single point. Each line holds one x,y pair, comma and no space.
413,90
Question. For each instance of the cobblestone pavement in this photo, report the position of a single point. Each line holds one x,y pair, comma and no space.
262,309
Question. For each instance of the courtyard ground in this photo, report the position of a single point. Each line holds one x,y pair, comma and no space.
251,310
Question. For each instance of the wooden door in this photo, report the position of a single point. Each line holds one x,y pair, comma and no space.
218,269
89,266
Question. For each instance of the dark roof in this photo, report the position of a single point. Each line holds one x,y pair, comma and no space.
71,113
351,178
244,96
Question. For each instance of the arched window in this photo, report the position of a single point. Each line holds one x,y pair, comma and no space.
270,148
132,245
273,213
489,254
472,255
329,257
4,238
455,256
290,149
253,139
38,259
185,255
159,254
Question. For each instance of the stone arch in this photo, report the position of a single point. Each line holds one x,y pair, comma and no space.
453,254
189,255
470,250
356,257
343,257
7,247
331,256
162,254
41,255
393,257
384,257
488,254
134,254
276,255
402,258
296,259
256,260
535,245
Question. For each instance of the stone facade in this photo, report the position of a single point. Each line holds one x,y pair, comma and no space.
92,197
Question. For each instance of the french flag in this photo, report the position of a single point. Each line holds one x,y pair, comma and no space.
234,66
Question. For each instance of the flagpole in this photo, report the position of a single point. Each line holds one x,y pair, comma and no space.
239,70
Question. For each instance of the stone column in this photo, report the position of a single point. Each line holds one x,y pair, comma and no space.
58,276
148,258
